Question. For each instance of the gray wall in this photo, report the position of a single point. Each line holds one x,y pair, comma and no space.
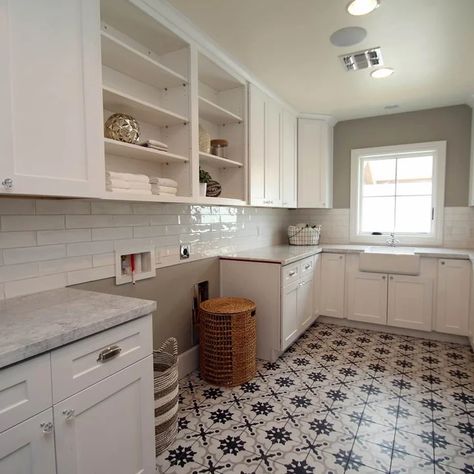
452,124
172,288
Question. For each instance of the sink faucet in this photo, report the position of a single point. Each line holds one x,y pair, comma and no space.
392,241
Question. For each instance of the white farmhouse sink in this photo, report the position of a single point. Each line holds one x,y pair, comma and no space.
398,260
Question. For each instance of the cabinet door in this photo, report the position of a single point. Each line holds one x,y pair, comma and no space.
272,154
314,163
257,145
332,285
50,89
317,285
410,302
367,297
452,307
288,159
305,303
28,448
290,324
109,427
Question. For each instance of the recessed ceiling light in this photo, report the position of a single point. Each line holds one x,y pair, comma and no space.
362,7
382,72
348,36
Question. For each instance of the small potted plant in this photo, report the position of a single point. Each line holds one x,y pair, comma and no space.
204,178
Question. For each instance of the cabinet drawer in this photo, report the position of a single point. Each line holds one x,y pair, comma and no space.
290,273
307,267
25,390
85,362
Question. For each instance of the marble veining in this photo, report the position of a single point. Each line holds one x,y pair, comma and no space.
33,324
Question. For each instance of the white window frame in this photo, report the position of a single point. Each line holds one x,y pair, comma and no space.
435,237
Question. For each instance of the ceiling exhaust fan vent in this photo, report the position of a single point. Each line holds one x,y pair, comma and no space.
362,59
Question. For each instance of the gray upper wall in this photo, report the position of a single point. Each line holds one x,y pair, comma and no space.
452,124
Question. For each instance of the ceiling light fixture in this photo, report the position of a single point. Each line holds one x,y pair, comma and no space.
382,73
362,7
348,36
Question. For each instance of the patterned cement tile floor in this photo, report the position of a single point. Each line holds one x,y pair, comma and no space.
339,400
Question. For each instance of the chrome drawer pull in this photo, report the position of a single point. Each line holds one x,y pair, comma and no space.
69,414
292,273
308,265
47,427
109,353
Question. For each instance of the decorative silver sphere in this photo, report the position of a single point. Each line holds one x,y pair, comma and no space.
122,127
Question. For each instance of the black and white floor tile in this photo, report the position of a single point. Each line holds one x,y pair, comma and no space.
339,400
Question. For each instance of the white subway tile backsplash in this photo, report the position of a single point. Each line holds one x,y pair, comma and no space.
17,239
111,207
46,237
89,248
65,264
98,273
15,223
16,207
103,260
62,206
86,222
18,272
34,285
33,254
112,233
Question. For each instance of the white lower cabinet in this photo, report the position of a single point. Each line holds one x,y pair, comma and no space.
108,427
410,302
367,297
332,285
105,426
28,448
452,302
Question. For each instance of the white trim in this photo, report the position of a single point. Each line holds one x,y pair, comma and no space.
439,150
188,361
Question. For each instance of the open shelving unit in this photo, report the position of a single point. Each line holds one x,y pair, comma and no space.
145,72
222,114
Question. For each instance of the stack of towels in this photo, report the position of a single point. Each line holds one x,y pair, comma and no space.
163,186
155,144
127,183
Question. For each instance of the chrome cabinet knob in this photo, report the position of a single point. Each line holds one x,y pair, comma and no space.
443,263
68,414
384,277
7,183
47,427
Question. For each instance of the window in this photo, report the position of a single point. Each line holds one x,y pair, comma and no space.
398,190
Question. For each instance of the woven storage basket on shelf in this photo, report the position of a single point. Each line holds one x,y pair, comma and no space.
303,234
227,341
165,368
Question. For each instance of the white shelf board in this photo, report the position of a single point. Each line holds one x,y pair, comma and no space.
117,101
123,58
138,152
215,113
217,161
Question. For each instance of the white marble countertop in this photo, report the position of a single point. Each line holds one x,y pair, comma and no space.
33,324
286,254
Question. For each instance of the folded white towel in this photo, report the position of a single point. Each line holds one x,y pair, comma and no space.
129,191
164,181
138,185
128,176
162,193
118,183
164,189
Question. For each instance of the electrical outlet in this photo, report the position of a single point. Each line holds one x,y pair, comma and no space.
184,251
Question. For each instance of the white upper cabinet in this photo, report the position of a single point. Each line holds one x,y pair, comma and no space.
50,91
288,159
452,307
315,143
272,152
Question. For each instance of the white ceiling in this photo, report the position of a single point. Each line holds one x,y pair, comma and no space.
285,44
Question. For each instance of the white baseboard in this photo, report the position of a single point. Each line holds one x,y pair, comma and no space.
188,361
435,336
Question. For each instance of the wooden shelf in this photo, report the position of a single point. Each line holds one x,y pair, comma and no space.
127,60
137,152
215,113
217,161
117,101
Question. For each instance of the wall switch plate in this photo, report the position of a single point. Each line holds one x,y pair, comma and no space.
184,251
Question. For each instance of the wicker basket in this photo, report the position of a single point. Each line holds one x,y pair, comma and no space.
165,367
303,234
227,341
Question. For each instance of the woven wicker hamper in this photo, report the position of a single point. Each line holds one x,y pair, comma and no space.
227,341
165,368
